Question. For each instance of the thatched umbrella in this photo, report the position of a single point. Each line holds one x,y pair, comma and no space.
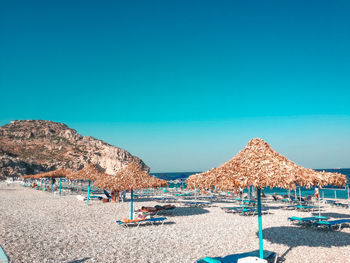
132,177
59,173
260,166
90,173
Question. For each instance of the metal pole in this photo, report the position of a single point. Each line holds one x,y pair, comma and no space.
319,207
261,249
335,194
88,194
131,205
51,185
41,187
45,185
60,185
299,196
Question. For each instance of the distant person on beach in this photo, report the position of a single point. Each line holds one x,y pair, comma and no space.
317,193
277,196
123,195
240,193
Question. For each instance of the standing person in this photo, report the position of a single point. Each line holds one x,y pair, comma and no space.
113,196
123,195
317,193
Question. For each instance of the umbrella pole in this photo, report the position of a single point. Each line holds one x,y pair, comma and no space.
45,186
131,205
88,194
41,184
319,206
51,185
60,185
261,249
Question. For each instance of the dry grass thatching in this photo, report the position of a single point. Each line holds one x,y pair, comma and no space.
260,166
132,177
52,174
89,172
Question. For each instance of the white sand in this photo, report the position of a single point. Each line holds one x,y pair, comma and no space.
38,226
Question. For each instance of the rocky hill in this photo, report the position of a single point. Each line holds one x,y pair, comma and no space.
34,146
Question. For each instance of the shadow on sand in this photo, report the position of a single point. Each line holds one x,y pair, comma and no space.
189,211
300,236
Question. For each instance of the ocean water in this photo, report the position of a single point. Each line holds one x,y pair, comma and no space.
327,192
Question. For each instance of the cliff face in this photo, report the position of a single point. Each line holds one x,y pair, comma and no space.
34,146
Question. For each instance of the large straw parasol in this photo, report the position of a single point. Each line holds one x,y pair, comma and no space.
260,166
132,177
89,173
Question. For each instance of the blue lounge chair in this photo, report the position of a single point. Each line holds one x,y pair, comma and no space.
268,255
232,209
333,223
107,194
330,202
305,207
306,220
339,204
138,222
96,197
3,257
197,204
253,211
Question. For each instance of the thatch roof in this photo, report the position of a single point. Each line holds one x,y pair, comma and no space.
131,177
28,176
89,172
52,174
260,166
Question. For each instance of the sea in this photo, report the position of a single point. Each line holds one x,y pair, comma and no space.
177,179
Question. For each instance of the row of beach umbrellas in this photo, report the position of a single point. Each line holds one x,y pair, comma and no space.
257,165
131,177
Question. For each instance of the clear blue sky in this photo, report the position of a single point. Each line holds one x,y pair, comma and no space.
184,84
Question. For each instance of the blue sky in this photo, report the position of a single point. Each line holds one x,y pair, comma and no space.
184,84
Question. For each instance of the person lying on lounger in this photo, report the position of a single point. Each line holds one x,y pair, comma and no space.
277,197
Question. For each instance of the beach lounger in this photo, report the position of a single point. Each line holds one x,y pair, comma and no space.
339,204
138,222
289,207
165,199
107,194
95,197
253,211
331,224
3,257
268,255
232,209
306,220
306,207
196,204
330,202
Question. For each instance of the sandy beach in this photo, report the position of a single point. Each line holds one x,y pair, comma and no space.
37,226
